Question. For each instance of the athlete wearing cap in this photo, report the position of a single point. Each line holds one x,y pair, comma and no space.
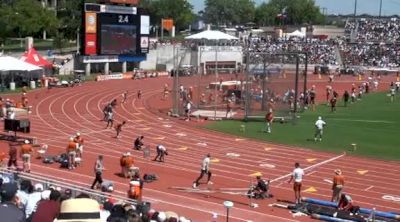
297,176
319,127
26,151
337,186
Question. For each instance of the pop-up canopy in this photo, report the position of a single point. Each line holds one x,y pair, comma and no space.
32,57
211,35
8,63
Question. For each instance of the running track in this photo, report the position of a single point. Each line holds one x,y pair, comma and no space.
59,113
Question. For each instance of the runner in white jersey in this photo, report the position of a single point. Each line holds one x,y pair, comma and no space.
319,128
297,176
205,169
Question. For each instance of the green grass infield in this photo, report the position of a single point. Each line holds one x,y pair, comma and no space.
372,123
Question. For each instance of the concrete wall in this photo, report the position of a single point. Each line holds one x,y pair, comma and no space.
187,57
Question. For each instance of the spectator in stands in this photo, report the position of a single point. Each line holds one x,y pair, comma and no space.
48,210
79,209
33,200
26,188
9,210
105,212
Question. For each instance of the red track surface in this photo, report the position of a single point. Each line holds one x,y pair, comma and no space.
59,113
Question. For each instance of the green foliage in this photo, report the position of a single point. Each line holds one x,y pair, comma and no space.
229,12
70,16
179,10
26,18
59,41
299,12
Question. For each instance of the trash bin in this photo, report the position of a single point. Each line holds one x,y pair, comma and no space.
12,86
33,85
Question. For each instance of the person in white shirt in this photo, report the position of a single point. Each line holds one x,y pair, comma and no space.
11,114
188,110
297,176
161,152
205,169
319,127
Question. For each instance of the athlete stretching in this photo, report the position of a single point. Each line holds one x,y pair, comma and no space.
205,169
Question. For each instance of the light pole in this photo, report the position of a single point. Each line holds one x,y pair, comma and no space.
216,81
355,9
228,205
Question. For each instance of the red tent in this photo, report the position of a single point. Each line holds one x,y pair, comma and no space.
32,57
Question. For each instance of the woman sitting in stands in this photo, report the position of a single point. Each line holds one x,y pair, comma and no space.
346,204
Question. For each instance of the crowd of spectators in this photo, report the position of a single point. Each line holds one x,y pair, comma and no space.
21,201
375,42
320,51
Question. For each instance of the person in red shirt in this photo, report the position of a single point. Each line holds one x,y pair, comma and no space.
12,157
118,128
71,151
346,204
48,210
333,104
269,118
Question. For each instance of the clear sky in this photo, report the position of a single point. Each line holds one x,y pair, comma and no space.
389,7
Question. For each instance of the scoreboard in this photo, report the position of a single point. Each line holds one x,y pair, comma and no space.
115,30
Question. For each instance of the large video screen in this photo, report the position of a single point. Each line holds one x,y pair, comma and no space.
118,39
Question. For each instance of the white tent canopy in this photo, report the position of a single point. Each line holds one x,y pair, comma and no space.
296,33
8,63
211,35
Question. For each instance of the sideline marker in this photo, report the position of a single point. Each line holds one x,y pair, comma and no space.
311,160
255,174
310,190
362,172
215,160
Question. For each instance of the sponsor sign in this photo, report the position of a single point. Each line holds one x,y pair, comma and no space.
90,44
90,22
109,77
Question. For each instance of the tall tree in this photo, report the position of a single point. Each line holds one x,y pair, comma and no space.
179,10
26,17
229,12
69,13
297,12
